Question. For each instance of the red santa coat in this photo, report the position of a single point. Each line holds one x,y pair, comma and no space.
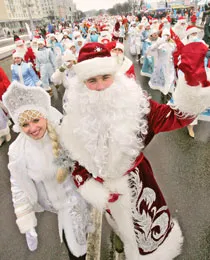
150,216
4,82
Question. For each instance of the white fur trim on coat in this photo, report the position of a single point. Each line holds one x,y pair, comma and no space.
95,193
190,100
26,222
94,67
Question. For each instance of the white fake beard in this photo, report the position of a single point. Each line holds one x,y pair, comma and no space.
119,57
101,127
21,50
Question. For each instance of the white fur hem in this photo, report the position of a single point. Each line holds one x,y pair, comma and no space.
26,222
94,193
190,100
97,66
170,248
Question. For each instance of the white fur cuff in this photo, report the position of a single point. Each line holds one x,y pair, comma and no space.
26,222
190,100
95,193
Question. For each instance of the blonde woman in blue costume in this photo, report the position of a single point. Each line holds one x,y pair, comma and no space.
40,177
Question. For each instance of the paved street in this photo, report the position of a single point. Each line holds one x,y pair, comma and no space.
182,169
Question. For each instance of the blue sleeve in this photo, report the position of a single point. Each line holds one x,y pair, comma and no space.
32,74
14,75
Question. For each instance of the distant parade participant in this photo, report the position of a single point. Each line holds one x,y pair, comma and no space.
57,49
4,122
34,45
150,54
145,36
27,52
79,43
23,72
116,31
66,40
138,40
104,37
132,38
180,28
72,47
163,76
92,35
65,73
155,24
4,82
45,64
125,65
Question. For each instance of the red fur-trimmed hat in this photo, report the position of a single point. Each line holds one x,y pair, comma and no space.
94,59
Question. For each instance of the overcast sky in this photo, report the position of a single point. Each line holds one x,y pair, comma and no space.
85,5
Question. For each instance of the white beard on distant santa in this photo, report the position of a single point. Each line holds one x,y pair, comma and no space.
119,57
180,30
34,48
22,50
104,130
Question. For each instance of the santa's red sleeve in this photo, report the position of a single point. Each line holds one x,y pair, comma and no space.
90,188
131,72
162,118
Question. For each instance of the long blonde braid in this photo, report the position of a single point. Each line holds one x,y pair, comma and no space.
61,172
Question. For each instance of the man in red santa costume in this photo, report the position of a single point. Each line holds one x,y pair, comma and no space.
125,65
26,52
180,28
108,124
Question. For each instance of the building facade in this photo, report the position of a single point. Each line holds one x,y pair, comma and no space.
15,13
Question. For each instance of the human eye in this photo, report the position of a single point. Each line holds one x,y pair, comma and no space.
25,125
91,80
106,77
36,120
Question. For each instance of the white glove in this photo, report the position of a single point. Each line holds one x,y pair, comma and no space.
32,239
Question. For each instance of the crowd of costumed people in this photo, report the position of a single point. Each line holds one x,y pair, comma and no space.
91,154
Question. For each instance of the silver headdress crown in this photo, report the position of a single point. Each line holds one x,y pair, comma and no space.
19,98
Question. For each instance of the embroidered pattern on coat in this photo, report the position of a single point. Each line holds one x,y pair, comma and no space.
151,223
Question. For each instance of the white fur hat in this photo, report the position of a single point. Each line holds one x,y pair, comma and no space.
94,59
192,29
19,98
119,46
17,54
19,42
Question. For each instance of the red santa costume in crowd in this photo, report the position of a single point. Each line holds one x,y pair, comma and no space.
105,133
116,32
26,51
4,82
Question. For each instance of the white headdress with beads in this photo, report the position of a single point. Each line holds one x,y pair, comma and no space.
19,98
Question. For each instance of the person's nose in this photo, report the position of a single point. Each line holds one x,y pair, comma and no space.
100,84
